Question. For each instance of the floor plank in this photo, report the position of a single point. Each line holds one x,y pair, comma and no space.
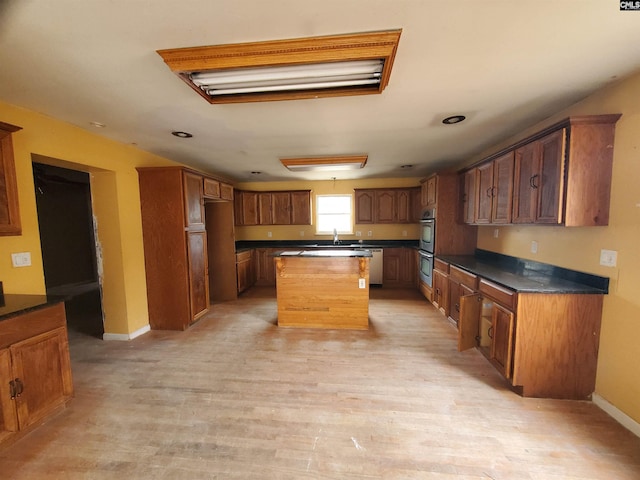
236,397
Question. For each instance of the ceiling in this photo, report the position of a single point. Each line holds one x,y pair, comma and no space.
504,64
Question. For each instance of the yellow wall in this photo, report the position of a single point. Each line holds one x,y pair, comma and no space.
618,379
116,203
329,187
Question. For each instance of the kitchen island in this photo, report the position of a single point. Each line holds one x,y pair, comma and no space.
323,288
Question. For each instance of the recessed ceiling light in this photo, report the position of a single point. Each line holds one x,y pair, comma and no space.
406,166
181,134
256,173
97,124
453,119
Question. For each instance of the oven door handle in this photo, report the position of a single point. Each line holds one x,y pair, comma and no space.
422,253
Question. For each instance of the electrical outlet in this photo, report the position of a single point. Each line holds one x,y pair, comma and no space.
496,232
534,246
358,233
269,234
608,258
369,233
404,233
361,283
302,233
22,259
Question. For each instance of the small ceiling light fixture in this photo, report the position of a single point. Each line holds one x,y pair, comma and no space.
333,163
453,119
255,172
406,166
97,124
181,134
351,64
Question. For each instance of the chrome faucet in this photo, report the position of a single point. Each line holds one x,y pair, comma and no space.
335,237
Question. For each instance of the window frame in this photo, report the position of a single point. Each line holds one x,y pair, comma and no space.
318,214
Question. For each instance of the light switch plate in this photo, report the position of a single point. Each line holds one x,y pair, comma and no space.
361,283
608,258
22,259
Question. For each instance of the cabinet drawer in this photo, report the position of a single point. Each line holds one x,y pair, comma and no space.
440,265
243,256
463,277
503,296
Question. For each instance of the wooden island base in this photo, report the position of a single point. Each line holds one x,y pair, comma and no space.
330,292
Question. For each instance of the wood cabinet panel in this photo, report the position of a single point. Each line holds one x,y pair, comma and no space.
502,338
430,191
281,205
193,200
35,369
265,209
365,204
484,182
9,210
301,208
198,273
385,207
265,267
441,292
403,207
250,209
502,191
549,184
524,195
469,196
244,270
211,188
226,191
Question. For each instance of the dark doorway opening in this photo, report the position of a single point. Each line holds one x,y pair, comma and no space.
67,238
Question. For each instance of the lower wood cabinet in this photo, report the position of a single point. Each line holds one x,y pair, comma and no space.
35,370
245,270
265,270
545,344
399,268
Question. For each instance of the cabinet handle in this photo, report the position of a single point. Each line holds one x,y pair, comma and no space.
12,389
457,305
19,387
532,181
489,191
490,332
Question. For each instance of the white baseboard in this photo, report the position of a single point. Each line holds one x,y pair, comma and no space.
621,417
126,336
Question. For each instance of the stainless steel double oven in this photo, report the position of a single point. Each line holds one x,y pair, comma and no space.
427,246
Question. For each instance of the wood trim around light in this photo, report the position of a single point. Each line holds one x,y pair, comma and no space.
299,51
332,160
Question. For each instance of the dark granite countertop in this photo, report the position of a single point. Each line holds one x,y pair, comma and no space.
527,276
242,245
318,253
17,304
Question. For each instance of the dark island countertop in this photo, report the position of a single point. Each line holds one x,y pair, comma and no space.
12,305
527,276
358,253
242,245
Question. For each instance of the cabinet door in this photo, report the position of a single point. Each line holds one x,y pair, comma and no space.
409,266
431,191
364,206
416,205
193,200
403,206
41,367
242,274
484,191
502,333
502,193
391,267
469,197
524,192
226,192
441,291
469,321
8,417
454,300
549,180
211,188
265,268
301,208
281,208
265,208
249,208
198,273
9,211
385,207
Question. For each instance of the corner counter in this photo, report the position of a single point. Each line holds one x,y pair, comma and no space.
323,288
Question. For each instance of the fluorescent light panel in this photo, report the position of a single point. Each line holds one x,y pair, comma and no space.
351,64
333,163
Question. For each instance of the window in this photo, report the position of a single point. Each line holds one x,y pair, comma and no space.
333,211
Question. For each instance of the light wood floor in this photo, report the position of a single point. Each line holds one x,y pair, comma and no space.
236,397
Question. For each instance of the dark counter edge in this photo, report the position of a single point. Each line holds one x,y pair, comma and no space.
285,244
528,268
12,305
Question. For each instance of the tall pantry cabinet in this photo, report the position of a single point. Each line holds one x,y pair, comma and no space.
175,246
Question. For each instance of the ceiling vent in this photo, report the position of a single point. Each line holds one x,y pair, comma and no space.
352,64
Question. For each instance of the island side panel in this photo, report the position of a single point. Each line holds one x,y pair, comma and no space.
323,292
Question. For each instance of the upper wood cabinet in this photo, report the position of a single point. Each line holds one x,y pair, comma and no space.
430,191
386,205
561,176
273,208
217,190
469,196
9,211
494,190
193,200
